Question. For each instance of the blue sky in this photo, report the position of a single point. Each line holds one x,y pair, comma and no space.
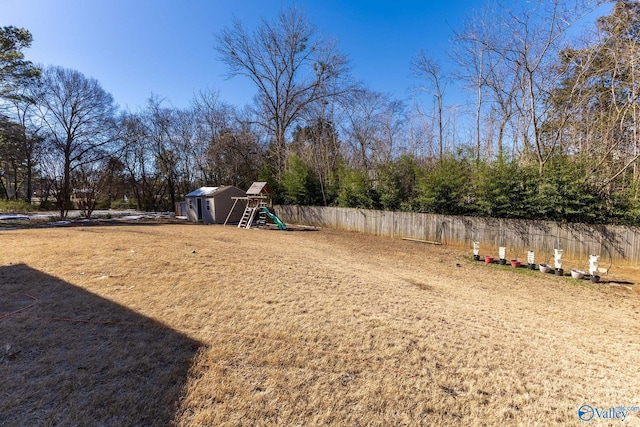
166,47
138,47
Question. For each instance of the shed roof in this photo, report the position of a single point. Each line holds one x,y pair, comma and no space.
213,191
203,192
258,188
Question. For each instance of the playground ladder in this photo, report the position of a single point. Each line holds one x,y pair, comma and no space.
262,218
250,214
247,217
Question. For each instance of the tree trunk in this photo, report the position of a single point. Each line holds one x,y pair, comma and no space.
65,193
4,189
27,197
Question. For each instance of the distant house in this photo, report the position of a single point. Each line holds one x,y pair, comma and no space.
212,205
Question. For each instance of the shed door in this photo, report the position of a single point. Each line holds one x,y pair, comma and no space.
199,204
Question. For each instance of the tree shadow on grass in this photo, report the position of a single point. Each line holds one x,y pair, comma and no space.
68,357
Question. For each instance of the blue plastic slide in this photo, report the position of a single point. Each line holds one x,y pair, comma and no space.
275,219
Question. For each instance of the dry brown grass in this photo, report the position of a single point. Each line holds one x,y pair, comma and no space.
215,326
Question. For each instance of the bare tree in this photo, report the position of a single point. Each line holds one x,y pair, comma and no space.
372,126
318,146
214,118
508,54
139,162
421,132
78,118
88,182
597,99
470,53
291,66
482,52
479,50
227,148
427,68
530,48
160,131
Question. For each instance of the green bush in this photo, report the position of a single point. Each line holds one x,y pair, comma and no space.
505,190
457,185
16,206
47,205
444,188
564,195
300,185
103,204
396,182
266,174
356,190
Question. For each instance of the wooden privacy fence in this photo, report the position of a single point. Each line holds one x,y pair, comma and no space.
615,244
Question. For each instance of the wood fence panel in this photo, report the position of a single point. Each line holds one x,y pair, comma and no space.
614,244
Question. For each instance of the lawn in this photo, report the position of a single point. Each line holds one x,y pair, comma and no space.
193,325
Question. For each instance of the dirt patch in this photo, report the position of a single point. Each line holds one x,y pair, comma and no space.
309,328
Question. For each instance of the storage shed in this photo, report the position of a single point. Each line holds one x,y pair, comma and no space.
212,205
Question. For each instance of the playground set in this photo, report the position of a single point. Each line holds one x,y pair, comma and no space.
259,203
